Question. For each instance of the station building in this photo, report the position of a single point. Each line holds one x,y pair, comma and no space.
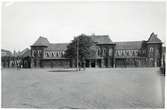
146,53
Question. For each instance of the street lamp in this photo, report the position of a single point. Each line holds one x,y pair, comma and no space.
77,53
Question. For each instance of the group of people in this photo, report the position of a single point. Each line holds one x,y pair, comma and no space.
9,62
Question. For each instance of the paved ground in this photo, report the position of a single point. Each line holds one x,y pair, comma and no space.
93,88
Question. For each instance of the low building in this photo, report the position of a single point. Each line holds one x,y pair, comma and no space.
109,54
5,58
45,54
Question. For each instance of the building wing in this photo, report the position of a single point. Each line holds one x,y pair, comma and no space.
5,53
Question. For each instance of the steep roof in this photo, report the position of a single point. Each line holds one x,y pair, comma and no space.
26,52
101,39
57,46
128,45
154,39
41,41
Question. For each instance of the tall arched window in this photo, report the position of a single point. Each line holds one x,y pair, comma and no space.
151,49
122,52
56,54
127,52
119,52
110,52
52,54
130,52
98,51
33,53
39,53
104,51
133,52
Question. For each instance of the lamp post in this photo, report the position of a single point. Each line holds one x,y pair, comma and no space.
77,53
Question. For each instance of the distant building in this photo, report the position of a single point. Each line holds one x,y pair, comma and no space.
11,60
5,53
25,56
109,54
5,58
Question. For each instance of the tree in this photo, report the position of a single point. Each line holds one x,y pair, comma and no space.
82,44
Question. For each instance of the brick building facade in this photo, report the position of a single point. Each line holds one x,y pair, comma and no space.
108,54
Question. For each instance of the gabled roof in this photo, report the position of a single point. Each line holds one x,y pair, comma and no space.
154,39
5,52
23,51
57,46
41,41
26,52
128,45
101,39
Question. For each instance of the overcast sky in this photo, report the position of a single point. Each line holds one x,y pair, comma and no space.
24,22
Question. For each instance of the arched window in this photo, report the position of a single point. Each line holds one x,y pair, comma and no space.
60,53
127,52
39,53
45,54
133,52
63,53
151,49
104,51
119,52
110,52
57,54
136,52
52,54
98,51
122,52
33,53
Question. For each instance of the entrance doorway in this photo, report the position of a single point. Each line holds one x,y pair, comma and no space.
93,63
99,63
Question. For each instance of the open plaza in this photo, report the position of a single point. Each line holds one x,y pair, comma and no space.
91,88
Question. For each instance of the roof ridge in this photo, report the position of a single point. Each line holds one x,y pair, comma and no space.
58,43
128,41
41,41
101,39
